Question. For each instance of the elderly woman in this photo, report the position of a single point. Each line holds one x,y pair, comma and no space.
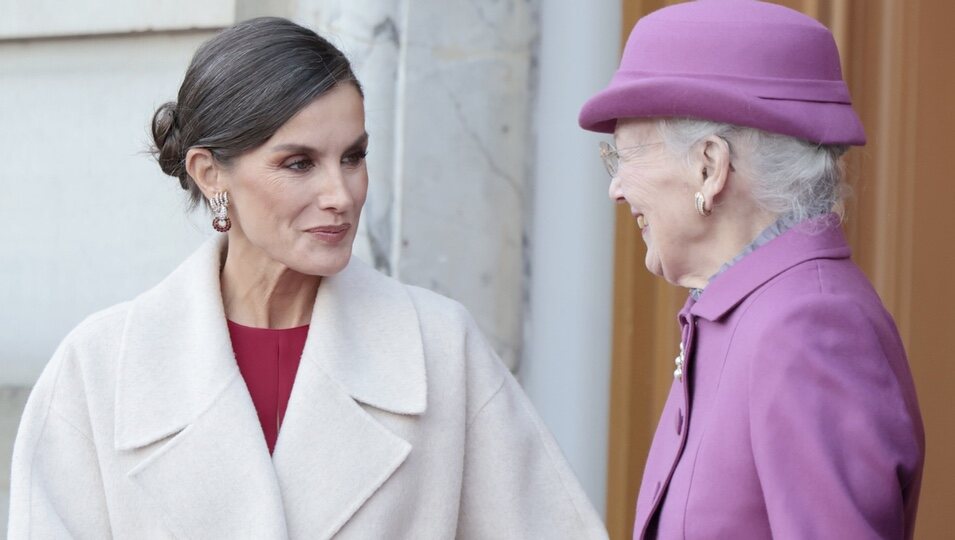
792,412
272,386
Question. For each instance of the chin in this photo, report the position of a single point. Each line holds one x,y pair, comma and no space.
325,265
653,265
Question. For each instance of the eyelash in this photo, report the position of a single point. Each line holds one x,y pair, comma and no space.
306,164
354,159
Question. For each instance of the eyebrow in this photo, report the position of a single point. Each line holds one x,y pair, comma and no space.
362,140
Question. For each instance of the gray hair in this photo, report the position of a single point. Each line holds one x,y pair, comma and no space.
240,88
791,178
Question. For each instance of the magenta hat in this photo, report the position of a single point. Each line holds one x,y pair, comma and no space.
741,62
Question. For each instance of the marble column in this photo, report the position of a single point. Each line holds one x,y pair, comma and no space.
448,88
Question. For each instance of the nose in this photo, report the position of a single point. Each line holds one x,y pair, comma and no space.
614,192
333,193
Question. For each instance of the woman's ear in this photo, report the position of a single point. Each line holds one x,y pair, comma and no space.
203,168
715,168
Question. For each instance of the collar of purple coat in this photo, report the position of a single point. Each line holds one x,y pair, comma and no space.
818,238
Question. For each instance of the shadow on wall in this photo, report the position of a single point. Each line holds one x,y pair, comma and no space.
12,401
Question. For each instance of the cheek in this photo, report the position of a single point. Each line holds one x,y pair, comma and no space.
672,215
271,202
358,189
253,184
634,190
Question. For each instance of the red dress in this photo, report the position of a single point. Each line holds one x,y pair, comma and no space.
268,360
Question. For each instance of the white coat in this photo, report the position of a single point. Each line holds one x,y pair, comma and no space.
402,423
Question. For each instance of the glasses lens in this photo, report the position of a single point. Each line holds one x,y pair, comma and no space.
609,156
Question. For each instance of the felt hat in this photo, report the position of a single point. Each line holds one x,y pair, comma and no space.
741,62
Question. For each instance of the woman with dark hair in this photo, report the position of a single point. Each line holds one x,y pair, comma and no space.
792,412
273,386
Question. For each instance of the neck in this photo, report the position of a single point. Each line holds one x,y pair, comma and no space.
260,292
727,238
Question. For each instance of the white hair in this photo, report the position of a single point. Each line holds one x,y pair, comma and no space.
791,178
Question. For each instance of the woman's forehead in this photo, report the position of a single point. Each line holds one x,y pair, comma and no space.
630,131
336,117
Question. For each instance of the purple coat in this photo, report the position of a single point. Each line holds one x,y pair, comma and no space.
795,416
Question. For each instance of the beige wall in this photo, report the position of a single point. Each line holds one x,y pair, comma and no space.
896,59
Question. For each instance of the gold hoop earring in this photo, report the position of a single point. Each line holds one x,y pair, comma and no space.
701,205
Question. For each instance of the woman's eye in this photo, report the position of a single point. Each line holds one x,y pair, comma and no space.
300,165
355,158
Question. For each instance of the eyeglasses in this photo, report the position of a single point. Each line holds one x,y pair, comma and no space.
611,155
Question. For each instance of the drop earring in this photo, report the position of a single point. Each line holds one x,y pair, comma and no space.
219,203
700,200
701,205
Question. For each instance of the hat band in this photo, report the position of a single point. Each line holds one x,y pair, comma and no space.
823,91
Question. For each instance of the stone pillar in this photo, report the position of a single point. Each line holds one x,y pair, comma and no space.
566,363
448,88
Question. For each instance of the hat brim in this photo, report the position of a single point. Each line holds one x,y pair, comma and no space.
687,97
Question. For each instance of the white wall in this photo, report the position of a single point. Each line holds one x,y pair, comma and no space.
87,219
56,18
566,367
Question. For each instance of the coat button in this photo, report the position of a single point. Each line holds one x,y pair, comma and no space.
679,422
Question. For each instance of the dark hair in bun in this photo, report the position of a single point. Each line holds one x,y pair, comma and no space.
240,88
167,150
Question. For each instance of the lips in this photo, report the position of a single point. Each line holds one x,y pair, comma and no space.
330,229
330,234
642,222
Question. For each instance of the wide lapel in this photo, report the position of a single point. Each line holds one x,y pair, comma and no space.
364,349
184,416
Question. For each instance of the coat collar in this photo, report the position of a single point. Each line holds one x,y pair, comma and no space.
176,357
819,238
186,419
